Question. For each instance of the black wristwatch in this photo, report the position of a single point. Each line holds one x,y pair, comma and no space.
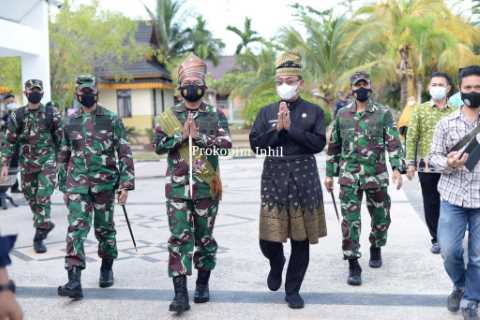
10,286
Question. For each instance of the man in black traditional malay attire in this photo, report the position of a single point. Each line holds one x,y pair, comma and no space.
290,132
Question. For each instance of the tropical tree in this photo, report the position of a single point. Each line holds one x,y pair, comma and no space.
170,37
174,39
85,38
328,58
476,12
410,38
10,75
202,42
258,71
247,35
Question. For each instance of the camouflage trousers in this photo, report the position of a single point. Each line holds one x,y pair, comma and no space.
378,204
83,208
191,224
37,188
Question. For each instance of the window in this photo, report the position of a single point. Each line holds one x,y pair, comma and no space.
124,103
158,102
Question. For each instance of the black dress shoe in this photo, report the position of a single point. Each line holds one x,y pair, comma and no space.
274,279
294,300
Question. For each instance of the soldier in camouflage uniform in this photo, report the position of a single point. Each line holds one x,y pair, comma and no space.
361,134
37,131
191,217
95,161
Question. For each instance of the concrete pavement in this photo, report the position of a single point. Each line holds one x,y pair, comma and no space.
411,285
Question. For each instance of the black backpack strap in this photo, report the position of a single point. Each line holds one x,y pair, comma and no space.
18,117
49,119
466,139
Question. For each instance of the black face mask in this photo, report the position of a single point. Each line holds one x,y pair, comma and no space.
192,92
362,94
471,100
87,99
34,97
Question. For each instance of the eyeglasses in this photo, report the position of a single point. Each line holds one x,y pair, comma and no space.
288,81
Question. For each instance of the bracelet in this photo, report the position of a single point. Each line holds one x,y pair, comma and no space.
9,286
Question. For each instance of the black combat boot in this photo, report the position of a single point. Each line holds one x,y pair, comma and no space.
3,201
180,301
14,188
202,293
355,273
73,288
375,257
106,273
40,235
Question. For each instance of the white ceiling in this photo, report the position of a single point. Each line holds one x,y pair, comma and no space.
15,10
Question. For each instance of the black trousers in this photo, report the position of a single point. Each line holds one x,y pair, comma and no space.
297,265
431,201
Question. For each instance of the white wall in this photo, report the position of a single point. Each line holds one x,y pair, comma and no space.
28,38
168,96
142,102
108,99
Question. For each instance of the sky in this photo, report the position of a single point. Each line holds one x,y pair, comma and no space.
268,16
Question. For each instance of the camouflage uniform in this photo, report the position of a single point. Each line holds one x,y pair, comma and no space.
191,219
356,154
38,138
89,176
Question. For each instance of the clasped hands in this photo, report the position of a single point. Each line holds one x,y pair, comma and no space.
190,129
283,121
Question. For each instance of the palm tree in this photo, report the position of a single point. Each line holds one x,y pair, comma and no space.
476,12
247,36
257,71
328,60
202,43
410,38
170,38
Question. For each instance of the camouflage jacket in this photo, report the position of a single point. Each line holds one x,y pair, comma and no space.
356,150
95,155
213,135
38,141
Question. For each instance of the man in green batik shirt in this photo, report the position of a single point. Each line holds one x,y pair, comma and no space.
362,132
421,127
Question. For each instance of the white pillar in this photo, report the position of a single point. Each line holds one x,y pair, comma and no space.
38,66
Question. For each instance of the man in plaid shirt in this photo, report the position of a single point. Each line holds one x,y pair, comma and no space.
460,193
